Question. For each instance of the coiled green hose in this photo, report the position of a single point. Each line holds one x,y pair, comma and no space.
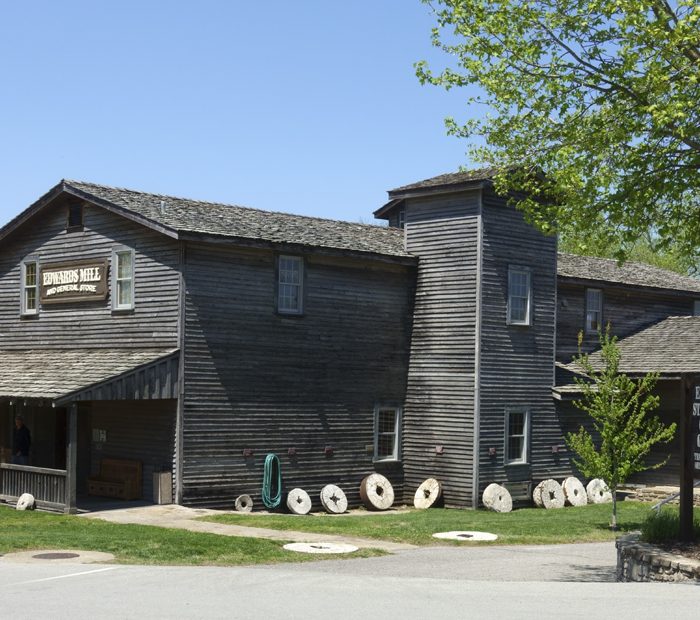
272,463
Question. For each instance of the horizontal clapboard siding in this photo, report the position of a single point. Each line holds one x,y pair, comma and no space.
136,430
266,383
439,412
154,321
516,362
627,309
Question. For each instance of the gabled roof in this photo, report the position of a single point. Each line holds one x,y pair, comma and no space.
446,180
630,273
185,218
61,374
670,347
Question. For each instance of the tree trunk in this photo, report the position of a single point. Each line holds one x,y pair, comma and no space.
613,524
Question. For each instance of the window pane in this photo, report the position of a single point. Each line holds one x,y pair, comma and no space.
515,448
289,284
516,423
518,296
124,265
30,299
124,293
385,445
387,421
30,274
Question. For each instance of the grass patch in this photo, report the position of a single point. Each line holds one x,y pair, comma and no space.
665,526
142,544
525,526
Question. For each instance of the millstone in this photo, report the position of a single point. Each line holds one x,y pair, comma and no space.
298,502
333,499
598,492
376,492
427,493
244,503
574,492
25,502
497,498
551,494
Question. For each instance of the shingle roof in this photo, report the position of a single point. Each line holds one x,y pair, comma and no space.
182,215
451,178
670,347
50,373
630,273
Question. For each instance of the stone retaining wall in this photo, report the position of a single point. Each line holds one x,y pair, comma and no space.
639,561
657,494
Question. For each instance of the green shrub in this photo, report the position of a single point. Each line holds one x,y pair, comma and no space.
664,526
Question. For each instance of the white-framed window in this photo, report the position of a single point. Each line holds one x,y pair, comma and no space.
387,425
123,279
290,284
517,424
519,296
594,310
29,288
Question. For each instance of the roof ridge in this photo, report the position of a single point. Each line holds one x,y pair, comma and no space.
75,182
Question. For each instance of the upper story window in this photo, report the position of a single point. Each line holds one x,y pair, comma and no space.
517,423
123,279
29,292
594,310
290,279
401,218
387,422
519,296
75,216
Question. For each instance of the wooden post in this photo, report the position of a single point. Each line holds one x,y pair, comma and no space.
71,458
688,397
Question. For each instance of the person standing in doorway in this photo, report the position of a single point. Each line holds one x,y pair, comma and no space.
21,442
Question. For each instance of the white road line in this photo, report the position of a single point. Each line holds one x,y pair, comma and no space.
86,572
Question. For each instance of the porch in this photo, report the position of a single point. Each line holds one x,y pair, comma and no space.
130,413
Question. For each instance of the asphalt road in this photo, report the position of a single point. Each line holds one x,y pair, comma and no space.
571,581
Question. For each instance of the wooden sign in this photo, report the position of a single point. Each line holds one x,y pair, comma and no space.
78,281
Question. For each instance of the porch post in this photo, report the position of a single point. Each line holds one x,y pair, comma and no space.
686,481
71,458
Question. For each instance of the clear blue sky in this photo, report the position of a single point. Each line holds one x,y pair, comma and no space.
310,107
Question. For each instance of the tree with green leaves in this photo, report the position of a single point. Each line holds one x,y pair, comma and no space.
620,409
592,110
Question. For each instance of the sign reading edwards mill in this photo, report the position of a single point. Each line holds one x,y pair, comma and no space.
84,280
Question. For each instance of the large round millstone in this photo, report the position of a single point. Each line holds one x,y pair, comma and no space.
574,491
376,492
427,494
333,499
497,498
298,502
598,492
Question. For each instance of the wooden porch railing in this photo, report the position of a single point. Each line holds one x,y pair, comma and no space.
48,486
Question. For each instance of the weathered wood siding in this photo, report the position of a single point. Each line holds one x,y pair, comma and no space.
439,414
256,380
517,362
154,321
627,309
136,430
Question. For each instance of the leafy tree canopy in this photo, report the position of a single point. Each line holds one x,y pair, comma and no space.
593,110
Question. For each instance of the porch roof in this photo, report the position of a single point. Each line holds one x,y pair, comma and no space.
670,347
64,375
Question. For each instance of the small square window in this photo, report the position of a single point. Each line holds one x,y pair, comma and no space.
290,284
594,310
519,296
123,279
75,215
387,422
517,424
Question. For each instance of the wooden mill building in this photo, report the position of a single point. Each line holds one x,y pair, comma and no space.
194,339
